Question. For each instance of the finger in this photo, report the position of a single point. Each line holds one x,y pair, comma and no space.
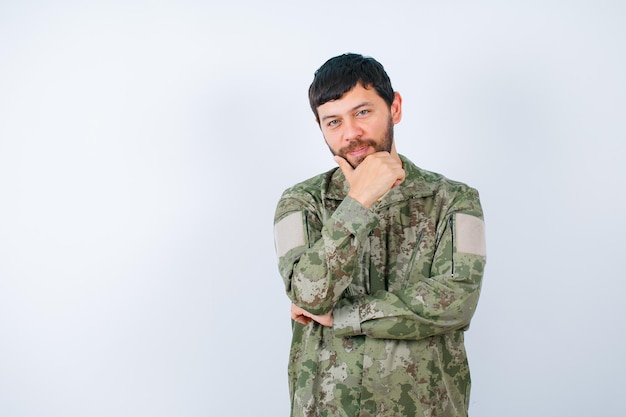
345,167
400,179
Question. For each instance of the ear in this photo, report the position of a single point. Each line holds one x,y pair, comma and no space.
396,108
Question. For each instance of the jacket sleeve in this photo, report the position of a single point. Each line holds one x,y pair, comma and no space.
428,305
317,257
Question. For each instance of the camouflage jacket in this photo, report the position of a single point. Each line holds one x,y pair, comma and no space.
403,280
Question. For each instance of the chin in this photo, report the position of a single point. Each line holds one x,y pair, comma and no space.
357,161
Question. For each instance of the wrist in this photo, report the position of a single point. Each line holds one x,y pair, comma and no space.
363,199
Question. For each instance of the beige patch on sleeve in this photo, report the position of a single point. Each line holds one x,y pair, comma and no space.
470,234
289,233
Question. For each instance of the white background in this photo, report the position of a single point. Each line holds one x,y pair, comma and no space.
144,145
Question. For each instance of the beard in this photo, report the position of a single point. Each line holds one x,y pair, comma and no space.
382,145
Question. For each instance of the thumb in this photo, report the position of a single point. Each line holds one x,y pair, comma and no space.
344,165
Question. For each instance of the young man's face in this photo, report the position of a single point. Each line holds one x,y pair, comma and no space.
359,124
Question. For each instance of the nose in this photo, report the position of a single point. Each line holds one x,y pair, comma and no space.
351,130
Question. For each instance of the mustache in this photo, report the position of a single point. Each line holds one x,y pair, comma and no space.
359,143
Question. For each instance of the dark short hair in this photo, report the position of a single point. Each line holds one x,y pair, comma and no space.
340,74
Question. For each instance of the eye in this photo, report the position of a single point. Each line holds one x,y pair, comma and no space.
333,123
363,112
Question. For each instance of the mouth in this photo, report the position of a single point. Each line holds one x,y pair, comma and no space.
360,151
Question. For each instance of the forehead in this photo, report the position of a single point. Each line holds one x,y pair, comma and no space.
354,98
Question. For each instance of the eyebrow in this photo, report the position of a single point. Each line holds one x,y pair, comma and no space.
358,106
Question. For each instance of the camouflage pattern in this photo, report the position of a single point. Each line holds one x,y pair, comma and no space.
402,297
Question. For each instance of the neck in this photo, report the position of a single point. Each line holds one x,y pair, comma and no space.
393,151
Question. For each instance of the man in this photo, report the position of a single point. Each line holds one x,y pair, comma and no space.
382,260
